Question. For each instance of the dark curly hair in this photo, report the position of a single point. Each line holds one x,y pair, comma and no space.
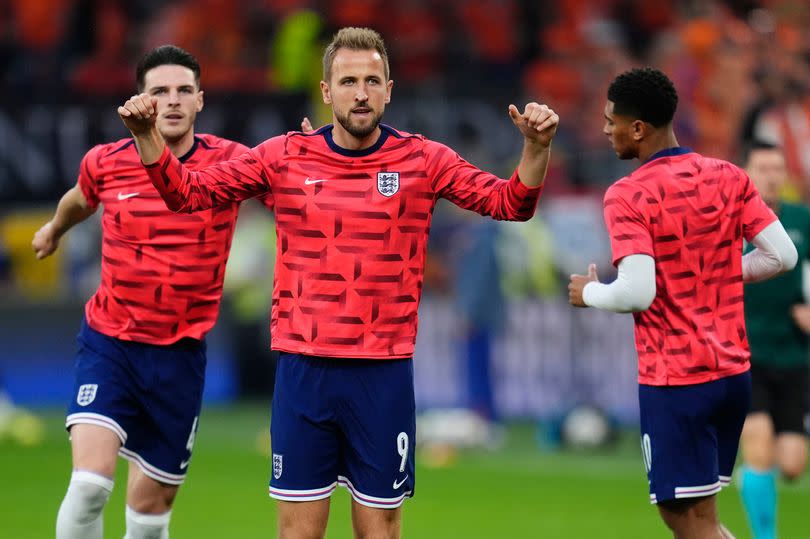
166,55
646,94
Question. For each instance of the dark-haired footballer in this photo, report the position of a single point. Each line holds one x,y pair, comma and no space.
774,441
676,227
141,361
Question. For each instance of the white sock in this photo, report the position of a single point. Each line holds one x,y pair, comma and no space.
80,515
143,526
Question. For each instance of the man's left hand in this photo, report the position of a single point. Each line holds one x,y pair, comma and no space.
537,123
577,284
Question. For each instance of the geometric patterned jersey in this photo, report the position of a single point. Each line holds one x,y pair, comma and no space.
690,213
352,229
161,272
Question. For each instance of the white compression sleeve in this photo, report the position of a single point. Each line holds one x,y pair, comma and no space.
80,515
633,290
143,526
774,254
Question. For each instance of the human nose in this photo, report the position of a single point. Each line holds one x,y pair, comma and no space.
362,94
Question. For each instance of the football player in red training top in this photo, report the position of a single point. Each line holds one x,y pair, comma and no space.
354,201
676,229
141,360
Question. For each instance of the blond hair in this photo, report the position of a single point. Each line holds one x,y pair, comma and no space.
357,39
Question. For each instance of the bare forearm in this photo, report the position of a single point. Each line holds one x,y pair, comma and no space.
71,210
533,163
150,145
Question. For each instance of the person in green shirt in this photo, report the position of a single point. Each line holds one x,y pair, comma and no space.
777,318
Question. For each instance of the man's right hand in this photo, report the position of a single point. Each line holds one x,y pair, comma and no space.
45,241
139,113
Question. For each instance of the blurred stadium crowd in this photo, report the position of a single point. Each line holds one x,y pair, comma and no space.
742,68
731,60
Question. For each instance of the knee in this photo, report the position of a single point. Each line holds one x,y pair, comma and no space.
792,472
147,496
156,504
386,526
89,494
299,530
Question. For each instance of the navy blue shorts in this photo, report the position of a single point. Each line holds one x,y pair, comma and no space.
690,435
348,422
149,395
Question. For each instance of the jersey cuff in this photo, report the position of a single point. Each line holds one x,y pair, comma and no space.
523,190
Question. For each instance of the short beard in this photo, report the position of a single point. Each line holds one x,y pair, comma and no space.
358,132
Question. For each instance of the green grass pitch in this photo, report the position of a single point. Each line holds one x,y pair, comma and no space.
516,492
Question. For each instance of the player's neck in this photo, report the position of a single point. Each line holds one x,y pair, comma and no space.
661,140
347,141
181,146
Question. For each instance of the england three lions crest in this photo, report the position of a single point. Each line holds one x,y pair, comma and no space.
387,183
87,394
278,461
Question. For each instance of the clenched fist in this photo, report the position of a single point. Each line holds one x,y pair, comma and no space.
139,113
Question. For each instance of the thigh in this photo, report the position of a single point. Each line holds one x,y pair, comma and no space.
377,416
94,448
169,388
729,420
303,430
375,522
103,386
302,519
762,390
790,407
679,441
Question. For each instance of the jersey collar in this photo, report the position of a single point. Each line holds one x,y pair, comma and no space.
327,135
186,156
670,152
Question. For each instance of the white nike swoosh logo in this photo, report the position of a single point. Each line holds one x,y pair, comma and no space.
184,465
122,196
398,484
310,181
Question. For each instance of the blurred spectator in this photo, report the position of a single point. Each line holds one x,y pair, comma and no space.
218,33
38,28
464,264
107,71
414,31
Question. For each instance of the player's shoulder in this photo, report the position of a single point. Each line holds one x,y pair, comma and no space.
625,184
304,137
404,135
214,143
100,151
109,155
721,165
